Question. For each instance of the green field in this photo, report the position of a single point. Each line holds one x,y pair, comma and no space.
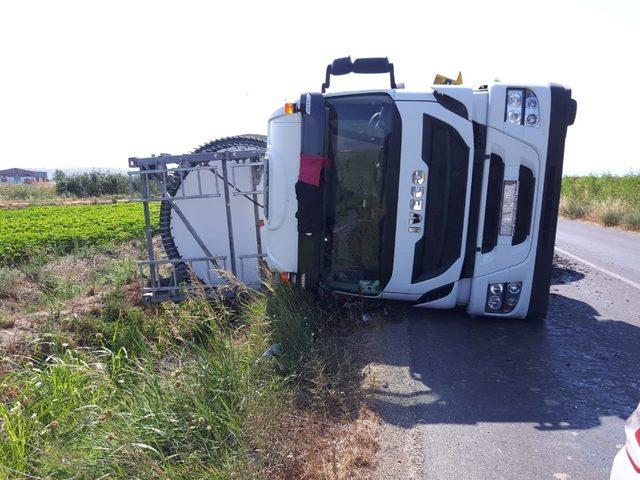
57,229
607,199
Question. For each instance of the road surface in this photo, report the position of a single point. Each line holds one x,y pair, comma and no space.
492,399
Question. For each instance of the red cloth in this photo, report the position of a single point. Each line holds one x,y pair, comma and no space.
310,168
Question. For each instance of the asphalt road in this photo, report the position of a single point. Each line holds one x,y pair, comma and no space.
613,250
493,399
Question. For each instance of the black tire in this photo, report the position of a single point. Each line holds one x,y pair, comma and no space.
239,142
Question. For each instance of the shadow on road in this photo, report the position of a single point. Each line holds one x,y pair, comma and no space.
564,373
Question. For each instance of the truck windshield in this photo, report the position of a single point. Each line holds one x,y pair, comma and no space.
360,129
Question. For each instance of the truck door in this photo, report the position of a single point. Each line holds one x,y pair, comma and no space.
433,201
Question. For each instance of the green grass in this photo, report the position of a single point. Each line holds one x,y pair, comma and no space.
179,391
590,188
606,199
38,230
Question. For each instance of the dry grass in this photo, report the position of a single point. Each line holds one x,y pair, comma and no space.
610,213
318,446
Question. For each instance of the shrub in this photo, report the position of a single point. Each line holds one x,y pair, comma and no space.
93,184
28,192
631,220
9,279
610,218
573,208
608,212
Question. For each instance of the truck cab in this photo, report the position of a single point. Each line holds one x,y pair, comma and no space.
445,197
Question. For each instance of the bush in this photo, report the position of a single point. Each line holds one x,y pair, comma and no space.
631,220
93,184
573,208
9,278
610,218
28,192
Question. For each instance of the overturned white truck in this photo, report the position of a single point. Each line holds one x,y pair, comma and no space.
442,198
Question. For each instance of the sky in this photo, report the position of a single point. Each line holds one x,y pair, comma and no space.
91,83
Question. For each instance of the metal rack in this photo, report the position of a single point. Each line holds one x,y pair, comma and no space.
155,174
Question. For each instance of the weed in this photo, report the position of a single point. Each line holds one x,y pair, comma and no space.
28,192
573,208
174,391
631,220
94,412
9,282
116,274
610,218
6,322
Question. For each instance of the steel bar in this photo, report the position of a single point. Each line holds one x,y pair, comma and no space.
250,255
161,261
227,201
144,185
194,157
256,214
173,170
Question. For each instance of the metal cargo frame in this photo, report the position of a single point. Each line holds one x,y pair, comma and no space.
154,174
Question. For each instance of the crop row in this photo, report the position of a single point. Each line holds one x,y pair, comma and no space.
57,229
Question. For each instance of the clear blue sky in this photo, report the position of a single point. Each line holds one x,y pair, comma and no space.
88,84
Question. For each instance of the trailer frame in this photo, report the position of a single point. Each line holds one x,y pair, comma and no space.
154,173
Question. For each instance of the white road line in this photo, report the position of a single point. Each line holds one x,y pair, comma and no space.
596,267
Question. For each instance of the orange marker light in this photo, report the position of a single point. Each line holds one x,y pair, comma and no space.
289,108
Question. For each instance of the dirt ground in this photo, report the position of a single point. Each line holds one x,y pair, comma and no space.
32,303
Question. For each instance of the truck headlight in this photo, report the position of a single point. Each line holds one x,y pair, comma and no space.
514,98
522,108
531,109
514,288
514,117
494,303
502,297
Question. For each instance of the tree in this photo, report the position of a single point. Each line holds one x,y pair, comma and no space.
59,175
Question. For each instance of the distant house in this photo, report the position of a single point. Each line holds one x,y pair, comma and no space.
19,175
